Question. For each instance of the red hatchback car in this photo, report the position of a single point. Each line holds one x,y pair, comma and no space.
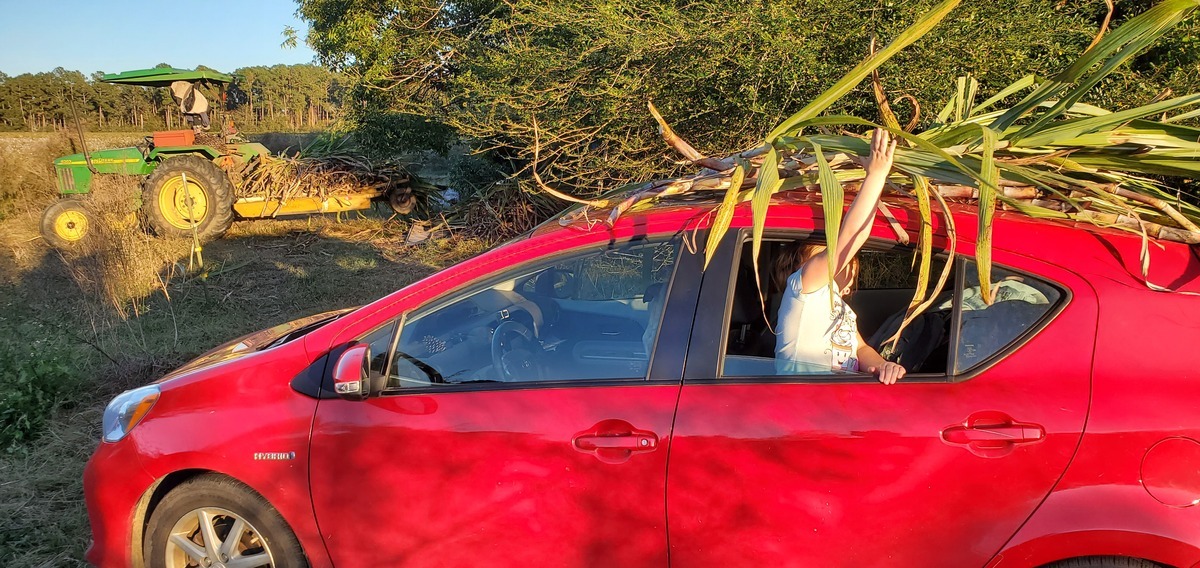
593,396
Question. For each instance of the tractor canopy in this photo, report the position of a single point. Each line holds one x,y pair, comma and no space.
163,77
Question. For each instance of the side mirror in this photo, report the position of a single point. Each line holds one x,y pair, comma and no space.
351,373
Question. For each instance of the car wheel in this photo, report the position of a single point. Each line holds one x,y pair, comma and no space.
203,204
216,522
1104,562
67,223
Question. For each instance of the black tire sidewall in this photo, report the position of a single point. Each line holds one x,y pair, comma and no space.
217,190
58,208
224,493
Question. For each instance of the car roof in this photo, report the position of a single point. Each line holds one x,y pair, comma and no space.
1083,247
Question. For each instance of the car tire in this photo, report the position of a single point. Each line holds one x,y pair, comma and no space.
1104,562
175,533
204,208
67,224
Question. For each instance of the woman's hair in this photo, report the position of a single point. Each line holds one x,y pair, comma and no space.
795,254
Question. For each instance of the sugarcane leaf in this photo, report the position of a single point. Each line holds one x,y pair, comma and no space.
924,239
960,99
768,184
1114,49
833,200
905,159
844,85
925,250
990,175
885,110
952,239
1079,126
947,110
1184,116
969,101
724,213
1018,85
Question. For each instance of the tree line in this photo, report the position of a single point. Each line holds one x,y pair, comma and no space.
260,98
569,81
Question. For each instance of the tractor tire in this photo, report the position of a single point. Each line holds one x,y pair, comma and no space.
203,208
68,224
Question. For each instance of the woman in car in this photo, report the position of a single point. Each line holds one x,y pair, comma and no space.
815,336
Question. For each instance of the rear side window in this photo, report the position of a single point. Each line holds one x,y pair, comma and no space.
958,332
1019,302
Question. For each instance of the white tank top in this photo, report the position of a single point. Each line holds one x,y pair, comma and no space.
812,337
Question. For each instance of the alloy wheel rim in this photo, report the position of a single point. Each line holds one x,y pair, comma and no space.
71,225
183,206
212,537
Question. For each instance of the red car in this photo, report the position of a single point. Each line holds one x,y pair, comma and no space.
593,396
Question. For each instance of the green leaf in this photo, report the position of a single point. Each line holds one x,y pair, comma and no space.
768,184
833,201
1079,126
914,32
969,102
924,239
960,99
990,175
1018,85
1118,46
1184,116
724,213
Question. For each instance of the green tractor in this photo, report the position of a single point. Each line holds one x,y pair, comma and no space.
187,190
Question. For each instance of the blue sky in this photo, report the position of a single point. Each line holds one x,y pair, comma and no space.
119,35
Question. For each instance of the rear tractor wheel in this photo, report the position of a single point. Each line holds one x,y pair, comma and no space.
188,195
67,223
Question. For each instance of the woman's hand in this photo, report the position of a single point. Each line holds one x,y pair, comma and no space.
883,149
888,372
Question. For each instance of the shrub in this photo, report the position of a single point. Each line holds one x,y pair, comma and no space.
35,379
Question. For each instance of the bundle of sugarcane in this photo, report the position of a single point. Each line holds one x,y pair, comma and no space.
1049,155
330,167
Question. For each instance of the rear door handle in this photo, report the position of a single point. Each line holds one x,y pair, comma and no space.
614,441
992,434
641,443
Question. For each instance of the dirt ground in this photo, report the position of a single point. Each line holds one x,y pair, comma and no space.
127,323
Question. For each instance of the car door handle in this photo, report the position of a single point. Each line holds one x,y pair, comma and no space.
614,441
1016,433
992,434
635,442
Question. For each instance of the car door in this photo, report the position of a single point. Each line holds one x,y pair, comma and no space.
939,469
507,436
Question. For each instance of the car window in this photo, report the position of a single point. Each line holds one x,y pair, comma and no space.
886,282
1019,302
882,292
592,315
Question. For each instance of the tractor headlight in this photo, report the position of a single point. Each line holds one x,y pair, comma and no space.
126,410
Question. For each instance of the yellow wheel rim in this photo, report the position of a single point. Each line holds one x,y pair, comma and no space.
183,207
71,225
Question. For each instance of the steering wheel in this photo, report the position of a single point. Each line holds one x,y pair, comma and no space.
514,352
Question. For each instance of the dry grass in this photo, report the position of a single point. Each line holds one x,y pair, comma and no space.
27,172
126,311
121,263
263,273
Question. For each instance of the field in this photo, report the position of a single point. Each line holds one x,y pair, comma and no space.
76,329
